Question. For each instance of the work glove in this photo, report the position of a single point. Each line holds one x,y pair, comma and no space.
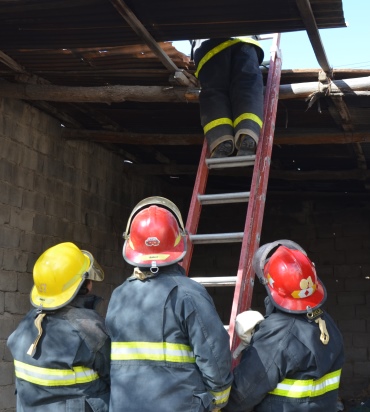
245,324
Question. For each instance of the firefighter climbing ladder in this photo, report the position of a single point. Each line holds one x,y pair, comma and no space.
250,238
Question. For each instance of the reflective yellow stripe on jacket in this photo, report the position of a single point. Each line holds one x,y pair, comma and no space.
54,377
221,47
291,388
154,351
221,397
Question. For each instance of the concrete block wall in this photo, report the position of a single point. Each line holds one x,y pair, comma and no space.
51,191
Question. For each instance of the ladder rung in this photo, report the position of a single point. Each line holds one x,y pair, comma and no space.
217,238
235,161
224,198
217,281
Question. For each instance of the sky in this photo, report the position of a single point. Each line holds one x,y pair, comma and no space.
345,48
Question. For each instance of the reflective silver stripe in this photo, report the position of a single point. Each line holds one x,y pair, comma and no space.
221,396
291,388
155,351
54,377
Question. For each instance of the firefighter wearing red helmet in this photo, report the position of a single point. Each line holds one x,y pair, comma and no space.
295,356
170,350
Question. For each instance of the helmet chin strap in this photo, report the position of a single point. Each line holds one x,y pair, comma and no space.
32,349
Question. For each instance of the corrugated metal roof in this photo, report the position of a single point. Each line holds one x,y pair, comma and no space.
89,43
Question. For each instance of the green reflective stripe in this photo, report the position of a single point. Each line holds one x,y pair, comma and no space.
218,122
155,351
214,51
221,47
291,388
247,39
221,397
54,377
248,116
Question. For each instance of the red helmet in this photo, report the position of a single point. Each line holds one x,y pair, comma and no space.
155,235
289,277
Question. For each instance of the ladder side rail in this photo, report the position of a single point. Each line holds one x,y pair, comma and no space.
245,276
195,207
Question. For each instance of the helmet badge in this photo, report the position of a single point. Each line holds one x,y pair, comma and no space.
307,289
152,241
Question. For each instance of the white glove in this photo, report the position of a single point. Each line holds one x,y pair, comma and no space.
245,324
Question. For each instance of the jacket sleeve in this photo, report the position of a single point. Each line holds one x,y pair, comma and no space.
210,343
263,364
252,381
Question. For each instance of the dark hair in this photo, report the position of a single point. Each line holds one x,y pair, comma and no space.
84,290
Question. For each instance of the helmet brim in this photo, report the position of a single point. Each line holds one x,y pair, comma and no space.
295,305
47,302
164,258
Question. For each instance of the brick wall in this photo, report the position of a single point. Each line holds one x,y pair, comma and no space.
52,190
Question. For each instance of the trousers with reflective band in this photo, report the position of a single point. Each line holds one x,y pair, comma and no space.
291,388
154,351
54,377
221,47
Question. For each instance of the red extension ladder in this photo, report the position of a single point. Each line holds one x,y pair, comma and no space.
250,238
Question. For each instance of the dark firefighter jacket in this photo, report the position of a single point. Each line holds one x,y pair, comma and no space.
70,368
170,350
287,368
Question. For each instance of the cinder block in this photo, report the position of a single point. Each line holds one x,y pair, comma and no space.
23,178
4,192
15,196
361,340
25,282
22,219
33,201
360,284
356,354
361,369
11,151
4,214
8,281
6,326
348,271
353,325
16,260
17,303
31,242
6,373
345,299
9,237
7,398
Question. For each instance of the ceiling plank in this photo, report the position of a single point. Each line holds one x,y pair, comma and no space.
180,75
317,175
116,94
282,137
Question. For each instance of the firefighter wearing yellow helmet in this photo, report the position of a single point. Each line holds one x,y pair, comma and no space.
61,349
170,350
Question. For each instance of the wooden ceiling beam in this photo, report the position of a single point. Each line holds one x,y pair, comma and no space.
291,175
282,137
116,94
181,76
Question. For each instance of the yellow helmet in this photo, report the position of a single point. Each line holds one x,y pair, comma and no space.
59,273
